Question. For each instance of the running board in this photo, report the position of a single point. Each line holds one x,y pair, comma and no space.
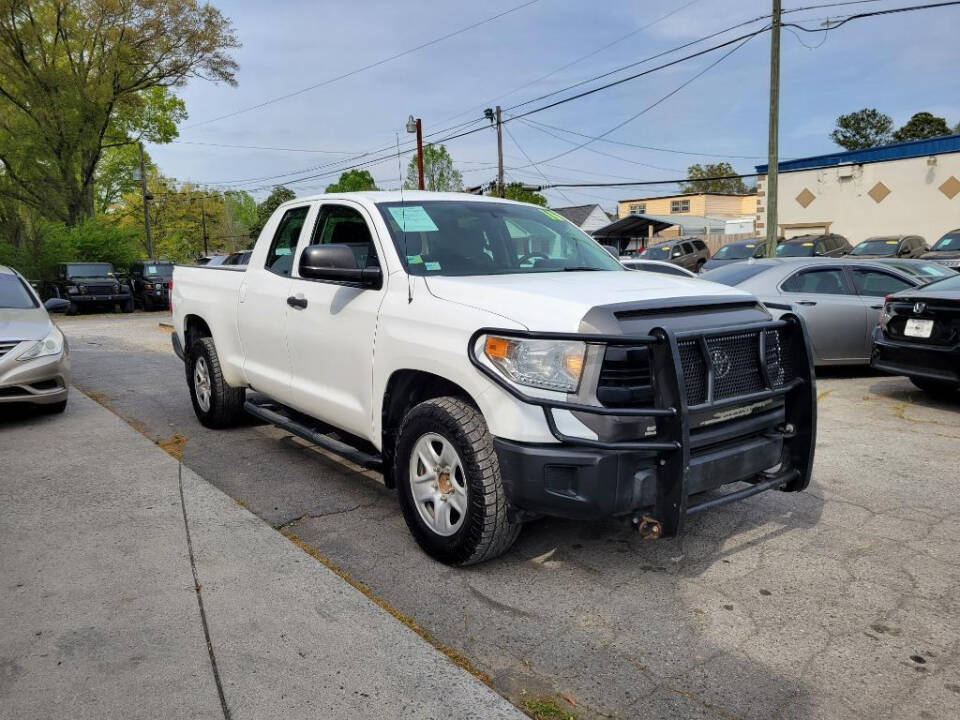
347,452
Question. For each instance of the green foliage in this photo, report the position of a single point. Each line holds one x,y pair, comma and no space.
353,181
516,191
862,129
922,125
439,173
275,199
544,708
713,170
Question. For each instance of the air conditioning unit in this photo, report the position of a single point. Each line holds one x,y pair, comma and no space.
845,172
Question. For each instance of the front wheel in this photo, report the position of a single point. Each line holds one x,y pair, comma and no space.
216,404
449,483
128,306
699,268
935,387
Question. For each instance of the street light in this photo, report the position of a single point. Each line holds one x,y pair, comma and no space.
414,126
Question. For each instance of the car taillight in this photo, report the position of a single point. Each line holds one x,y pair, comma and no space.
885,314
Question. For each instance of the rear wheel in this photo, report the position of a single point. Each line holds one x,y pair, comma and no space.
127,306
216,404
700,264
935,386
448,477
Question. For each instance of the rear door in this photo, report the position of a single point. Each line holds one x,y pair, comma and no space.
262,309
873,285
834,312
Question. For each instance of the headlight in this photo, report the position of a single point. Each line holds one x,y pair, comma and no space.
72,290
148,286
52,344
548,364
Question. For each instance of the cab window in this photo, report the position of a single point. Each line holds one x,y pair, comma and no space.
280,256
343,225
876,283
825,282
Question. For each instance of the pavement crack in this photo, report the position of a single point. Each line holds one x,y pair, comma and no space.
197,590
289,524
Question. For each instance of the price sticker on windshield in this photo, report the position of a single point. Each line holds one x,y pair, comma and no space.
413,218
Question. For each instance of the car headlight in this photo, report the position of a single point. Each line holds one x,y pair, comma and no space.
547,364
52,344
148,286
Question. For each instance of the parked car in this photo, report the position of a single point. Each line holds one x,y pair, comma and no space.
840,299
211,260
89,285
514,368
946,250
919,336
737,251
657,266
831,245
241,257
689,253
901,246
150,283
34,359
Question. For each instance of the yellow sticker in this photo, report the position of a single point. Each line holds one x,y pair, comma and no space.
665,247
808,244
749,245
551,214
893,242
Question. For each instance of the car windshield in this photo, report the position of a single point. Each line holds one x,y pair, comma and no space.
950,241
735,252
795,249
657,252
877,246
734,274
164,270
489,238
85,270
14,294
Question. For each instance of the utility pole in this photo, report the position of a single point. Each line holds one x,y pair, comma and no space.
203,225
415,126
147,197
500,188
773,132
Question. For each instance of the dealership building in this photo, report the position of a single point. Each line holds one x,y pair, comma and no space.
909,188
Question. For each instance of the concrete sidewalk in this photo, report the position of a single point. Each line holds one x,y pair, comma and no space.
99,617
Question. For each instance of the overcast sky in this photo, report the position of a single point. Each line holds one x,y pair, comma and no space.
899,64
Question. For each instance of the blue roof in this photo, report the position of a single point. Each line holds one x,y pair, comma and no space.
897,151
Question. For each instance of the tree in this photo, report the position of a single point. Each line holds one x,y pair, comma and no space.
922,125
517,191
862,129
275,199
695,172
353,181
438,171
81,76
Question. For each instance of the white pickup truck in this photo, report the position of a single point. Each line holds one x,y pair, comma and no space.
496,364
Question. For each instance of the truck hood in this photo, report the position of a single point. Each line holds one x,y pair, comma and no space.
31,324
558,301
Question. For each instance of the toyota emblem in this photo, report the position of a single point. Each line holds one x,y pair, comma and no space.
919,307
721,362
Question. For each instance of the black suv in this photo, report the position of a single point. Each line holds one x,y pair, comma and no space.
903,246
689,253
946,250
150,283
88,285
831,245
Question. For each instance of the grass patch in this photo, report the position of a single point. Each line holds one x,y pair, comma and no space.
544,708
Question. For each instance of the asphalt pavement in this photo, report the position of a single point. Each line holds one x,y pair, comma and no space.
840,602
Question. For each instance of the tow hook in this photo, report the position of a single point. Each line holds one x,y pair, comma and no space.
648,527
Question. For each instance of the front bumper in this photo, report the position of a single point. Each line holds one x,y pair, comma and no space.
98,299
765,439
39,382
934,362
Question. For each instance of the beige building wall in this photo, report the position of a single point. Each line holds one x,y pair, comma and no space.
701,204
896,197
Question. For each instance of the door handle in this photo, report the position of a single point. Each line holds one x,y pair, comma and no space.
297,302
806,302
876,307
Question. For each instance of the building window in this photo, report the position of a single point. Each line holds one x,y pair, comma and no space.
679,206
638,209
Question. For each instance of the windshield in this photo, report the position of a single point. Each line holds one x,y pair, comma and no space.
795,249
164,270
657,252
14,294
734,274
735,252
950,241
488,238
877,246
85,270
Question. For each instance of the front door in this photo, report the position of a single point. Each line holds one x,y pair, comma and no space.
331,329
833,311
262,309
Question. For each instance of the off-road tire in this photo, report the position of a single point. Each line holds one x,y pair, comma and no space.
935,387
226,402
487,531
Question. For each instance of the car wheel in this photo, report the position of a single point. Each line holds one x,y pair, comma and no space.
216,404
73,309
53,408
699,268
449,483
935,386
128,306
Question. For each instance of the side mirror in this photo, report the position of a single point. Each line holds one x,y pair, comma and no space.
337,263
57,305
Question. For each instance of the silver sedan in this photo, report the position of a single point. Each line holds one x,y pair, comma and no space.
840,299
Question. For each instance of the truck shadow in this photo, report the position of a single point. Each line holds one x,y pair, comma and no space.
901,390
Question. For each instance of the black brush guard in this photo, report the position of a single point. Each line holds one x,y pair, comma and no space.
672,445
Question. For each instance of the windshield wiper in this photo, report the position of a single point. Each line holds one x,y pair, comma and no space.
584,268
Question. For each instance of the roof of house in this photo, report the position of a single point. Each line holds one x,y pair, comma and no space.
896,151
681,195
636,225
577,214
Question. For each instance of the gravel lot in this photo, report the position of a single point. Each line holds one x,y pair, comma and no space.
841,602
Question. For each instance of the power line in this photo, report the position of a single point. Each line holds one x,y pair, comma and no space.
875,13
530,160
369,66
650,182
264,147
